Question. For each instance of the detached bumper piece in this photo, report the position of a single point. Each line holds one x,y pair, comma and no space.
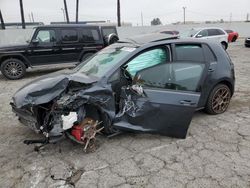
26,117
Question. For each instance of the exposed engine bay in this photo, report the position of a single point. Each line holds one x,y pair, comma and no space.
79,112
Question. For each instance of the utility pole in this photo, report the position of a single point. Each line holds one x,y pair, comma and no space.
184,15
231,17
141,19
118,13
64,18
77,6
247,17
66,10
22,14
32,17
1,19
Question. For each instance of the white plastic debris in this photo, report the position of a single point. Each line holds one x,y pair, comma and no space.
68,121
138,89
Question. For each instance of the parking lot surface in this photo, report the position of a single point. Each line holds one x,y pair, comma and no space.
216,152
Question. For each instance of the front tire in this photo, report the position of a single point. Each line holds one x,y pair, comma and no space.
13,69
218,100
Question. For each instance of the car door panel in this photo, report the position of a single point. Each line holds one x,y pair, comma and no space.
161,99
163,112
70,53
70,47
45,51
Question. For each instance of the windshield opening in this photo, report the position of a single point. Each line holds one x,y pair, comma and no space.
104,60
188,33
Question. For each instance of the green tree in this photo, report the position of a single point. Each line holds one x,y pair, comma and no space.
156,21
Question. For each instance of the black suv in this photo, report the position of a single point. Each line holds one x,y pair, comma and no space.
54,44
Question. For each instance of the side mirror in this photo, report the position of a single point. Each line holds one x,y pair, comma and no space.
199,36
35,41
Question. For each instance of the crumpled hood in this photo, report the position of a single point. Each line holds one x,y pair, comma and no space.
46,88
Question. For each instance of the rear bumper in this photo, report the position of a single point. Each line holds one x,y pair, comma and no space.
26,118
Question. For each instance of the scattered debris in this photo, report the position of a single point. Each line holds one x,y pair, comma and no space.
85,133
69,120
75,177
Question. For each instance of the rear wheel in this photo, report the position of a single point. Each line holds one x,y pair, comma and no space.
218,100
234,39
13,69
224,45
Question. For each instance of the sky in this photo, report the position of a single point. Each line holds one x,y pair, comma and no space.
169,11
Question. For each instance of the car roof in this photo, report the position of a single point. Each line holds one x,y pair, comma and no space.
147,38
73,25
201,28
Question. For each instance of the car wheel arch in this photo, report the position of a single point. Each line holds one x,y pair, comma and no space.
99,114
19,57
224,43
228,84
225,82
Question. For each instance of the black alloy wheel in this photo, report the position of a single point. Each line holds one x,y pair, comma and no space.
13,69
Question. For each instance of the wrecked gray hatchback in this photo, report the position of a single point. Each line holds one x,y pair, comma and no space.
149,84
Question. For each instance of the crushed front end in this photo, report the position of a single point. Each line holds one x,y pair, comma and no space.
66,108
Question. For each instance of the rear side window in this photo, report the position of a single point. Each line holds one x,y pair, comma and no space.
189,52
89,35
202,33
183,76
209,54
108,31
214,32
69,35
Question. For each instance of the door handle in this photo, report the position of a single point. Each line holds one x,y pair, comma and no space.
187,102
